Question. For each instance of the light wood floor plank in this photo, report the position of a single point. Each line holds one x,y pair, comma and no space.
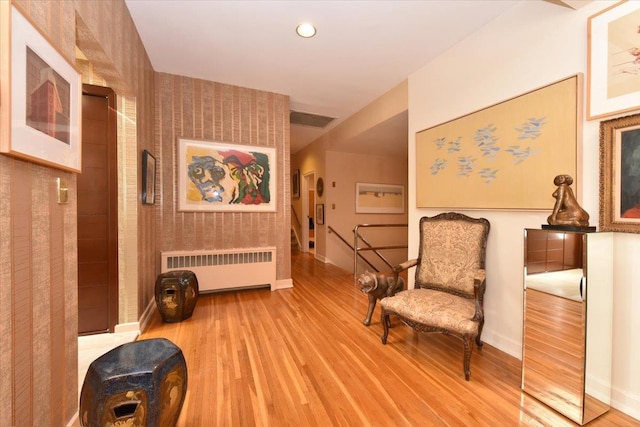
302,357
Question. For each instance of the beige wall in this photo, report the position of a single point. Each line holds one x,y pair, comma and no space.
345,170
198,109
38,276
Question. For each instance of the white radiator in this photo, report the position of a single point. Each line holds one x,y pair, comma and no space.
222,270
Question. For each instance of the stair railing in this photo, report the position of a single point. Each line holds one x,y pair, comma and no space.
332,230
368,247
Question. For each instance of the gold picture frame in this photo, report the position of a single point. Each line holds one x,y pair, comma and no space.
613,85
40,96
620,174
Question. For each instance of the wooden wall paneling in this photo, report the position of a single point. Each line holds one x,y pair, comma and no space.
6,293
22,298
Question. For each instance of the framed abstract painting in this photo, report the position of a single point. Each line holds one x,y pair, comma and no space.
215,176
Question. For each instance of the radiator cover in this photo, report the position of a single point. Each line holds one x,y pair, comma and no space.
223,270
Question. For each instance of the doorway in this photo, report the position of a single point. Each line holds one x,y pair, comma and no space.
308,203
98,214
312,221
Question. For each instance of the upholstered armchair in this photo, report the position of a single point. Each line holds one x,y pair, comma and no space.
449,282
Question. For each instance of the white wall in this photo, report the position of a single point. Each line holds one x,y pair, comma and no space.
533,44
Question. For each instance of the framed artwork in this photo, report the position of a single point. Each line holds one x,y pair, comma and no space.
613,77
215,176
40,96
379,198
620,174
295,184
148,178
320,214
505,156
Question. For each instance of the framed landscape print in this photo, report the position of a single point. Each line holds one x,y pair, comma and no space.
620,174
379,198
215,176
613,77
41,101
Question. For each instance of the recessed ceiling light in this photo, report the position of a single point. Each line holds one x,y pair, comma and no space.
306,30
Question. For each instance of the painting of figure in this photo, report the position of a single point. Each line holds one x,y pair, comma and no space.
225,177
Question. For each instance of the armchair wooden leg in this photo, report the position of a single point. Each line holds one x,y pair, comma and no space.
384,319
467,357
478,340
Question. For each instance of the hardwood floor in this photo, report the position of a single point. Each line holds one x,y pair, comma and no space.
302,357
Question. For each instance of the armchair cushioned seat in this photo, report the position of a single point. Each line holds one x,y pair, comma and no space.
435,308
450,281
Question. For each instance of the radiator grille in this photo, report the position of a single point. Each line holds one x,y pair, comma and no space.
186,261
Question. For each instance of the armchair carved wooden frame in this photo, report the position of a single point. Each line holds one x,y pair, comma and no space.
450,282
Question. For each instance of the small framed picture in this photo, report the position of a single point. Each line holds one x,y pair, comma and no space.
295,184
148,178
619,174
320,214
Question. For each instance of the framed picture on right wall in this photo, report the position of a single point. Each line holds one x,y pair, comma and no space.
620,174
613,77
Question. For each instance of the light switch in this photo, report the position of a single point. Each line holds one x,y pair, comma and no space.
63,191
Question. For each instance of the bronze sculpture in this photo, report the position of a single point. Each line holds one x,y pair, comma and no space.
378,286
567,211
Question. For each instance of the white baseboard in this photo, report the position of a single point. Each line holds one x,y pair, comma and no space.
502,343
321,258
283,284
127,327
626,402
147,315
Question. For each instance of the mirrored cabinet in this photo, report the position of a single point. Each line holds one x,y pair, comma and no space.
568,316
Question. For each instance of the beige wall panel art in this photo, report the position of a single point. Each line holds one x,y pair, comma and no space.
504,156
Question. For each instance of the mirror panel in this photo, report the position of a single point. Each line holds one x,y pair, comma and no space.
566,342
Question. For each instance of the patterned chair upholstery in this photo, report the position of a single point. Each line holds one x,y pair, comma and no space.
449,282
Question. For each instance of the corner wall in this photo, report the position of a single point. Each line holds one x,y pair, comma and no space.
529,46
206,110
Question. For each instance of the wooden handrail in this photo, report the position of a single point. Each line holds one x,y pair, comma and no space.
295,217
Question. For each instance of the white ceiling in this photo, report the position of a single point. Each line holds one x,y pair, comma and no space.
362,49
